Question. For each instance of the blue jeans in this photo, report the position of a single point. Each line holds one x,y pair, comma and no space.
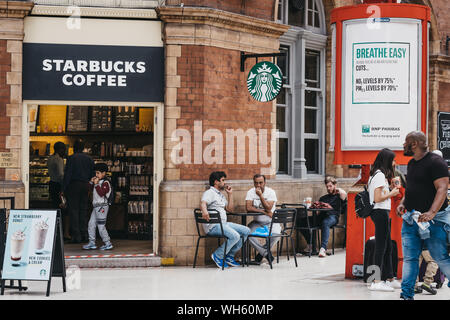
412,247
233,233
327,223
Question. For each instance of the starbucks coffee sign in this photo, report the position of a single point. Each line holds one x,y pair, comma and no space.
264,81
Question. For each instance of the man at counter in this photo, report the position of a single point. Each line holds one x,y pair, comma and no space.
262,199
55,164
78,172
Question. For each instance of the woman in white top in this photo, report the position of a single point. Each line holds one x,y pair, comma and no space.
381,172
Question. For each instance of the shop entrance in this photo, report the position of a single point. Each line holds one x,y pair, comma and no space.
123,137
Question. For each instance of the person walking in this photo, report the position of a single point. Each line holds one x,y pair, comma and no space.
381,172
78,172
425,195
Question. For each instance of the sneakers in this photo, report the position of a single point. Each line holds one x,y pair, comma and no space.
106,247
270,257
380,286
258,258
229,260
394,284
322,253
218,261
90,246
428,288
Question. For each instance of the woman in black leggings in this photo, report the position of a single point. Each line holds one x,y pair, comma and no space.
381,172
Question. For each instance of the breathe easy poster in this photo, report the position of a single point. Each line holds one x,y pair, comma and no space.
29,245
381,83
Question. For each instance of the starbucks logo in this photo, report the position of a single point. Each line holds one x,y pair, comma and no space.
264,81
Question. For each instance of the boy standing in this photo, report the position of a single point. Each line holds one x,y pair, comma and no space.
101,191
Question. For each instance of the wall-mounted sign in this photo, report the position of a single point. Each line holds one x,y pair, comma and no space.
8,160
264,81
92,73
380,87
444,135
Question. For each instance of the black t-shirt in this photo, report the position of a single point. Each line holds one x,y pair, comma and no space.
335,201
420,190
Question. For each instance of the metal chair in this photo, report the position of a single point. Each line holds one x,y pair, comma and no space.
302,215
285,217
343,212
214,218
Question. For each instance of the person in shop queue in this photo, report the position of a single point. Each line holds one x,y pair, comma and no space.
78,172
262,199
101,191
426,193
55,164
213,198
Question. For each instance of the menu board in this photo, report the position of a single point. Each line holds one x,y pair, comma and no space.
126,119
77,119
101,119
29,244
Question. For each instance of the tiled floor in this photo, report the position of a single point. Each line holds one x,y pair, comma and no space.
315,278
120,247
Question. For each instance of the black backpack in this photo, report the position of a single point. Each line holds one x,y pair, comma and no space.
363,207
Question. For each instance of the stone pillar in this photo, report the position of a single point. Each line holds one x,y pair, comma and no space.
12,15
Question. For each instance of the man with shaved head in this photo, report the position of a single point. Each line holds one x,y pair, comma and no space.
426,192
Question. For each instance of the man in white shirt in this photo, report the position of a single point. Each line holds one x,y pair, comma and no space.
213,198
262,199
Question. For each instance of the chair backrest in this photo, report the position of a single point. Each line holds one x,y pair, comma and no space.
302,212
286,217
214,217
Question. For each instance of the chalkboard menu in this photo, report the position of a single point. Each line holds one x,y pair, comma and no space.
77,119
126,119
444,135
101,119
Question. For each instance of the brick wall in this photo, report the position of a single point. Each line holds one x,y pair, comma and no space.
213,91
5,66
262,9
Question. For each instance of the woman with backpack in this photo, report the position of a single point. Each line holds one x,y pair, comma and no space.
381,172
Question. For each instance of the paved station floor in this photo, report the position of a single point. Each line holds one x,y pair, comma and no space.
314,279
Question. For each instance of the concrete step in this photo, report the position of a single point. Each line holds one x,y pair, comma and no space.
114,262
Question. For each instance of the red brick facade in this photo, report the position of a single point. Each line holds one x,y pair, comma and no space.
213,91
5,66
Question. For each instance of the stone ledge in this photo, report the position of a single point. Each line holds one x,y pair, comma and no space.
221,19
15,9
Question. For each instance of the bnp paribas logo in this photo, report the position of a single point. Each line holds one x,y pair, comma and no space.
264,81
365,128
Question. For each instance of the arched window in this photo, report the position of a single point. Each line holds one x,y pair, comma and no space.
301,104
301,13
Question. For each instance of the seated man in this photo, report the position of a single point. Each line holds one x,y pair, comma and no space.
337,198
214,199
262,199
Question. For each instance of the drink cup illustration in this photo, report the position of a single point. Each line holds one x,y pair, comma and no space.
17,243
40,234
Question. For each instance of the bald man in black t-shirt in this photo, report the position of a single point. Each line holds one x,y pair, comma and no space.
426,192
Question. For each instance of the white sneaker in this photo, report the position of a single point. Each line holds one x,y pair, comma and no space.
380,286
394,284
322,253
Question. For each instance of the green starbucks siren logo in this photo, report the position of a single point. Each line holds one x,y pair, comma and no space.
264,81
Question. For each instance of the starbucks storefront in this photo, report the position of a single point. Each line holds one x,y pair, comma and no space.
103,84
